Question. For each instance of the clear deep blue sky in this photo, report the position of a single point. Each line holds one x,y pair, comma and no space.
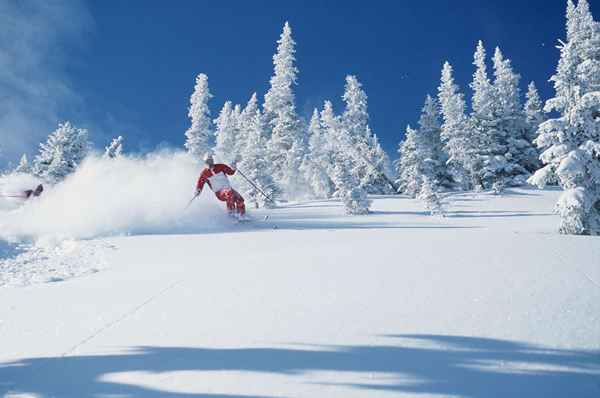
137,71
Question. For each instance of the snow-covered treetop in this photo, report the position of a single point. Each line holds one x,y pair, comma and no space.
200,132
250,110
452,101
329,120
198,110
356,114
115,148
280,94
429,119
23,166
506,85
64,150
483,92
533,105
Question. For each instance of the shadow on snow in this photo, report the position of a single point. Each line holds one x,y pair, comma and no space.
449,365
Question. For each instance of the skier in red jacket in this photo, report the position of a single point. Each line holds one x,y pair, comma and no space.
215,175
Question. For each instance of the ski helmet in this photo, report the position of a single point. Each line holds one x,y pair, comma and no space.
208,159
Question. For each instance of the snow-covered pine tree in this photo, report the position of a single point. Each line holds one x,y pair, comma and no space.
430,197
430,130
352,195
483,121
513,153
483,91
372,161
534,116
227,127
409,167
571,142
285,129
62,153
23,166
534,111
317,161
245,123
115,148
457,133
253,161
342,174
199,135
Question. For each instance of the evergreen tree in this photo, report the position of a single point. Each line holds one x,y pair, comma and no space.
510,155
430,197
483,91
571,142
372,162
430,130
457,133
245,123
342,170
225,148
114,149
317,161
483,120
200,132
534,117
23,166
253,161
284,126
410,165
62,153
534,111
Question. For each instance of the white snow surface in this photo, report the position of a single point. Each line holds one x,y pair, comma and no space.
154,302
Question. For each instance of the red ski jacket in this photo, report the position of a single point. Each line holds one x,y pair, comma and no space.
215,177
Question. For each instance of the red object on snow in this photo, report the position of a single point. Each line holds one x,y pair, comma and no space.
216,178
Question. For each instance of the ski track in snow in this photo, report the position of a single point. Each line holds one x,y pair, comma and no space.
123,317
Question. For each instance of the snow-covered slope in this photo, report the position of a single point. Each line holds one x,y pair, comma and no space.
487,302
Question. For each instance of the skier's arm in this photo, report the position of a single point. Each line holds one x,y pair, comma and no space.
200,184
228,170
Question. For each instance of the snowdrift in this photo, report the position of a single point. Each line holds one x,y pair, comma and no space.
127,195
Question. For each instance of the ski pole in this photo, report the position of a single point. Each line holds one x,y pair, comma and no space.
191,200
254,185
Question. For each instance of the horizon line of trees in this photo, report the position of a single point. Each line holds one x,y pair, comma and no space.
503,140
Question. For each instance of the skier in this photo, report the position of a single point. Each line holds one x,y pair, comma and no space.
34,192
215,175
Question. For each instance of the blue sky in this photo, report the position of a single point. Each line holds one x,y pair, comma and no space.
130,65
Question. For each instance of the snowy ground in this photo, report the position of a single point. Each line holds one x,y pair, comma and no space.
488,302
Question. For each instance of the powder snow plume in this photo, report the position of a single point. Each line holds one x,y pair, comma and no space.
126,195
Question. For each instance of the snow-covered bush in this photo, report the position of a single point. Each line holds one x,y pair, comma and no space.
352,195
430,197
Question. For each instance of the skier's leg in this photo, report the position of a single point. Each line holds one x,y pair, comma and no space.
230,198
239,203
224,195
